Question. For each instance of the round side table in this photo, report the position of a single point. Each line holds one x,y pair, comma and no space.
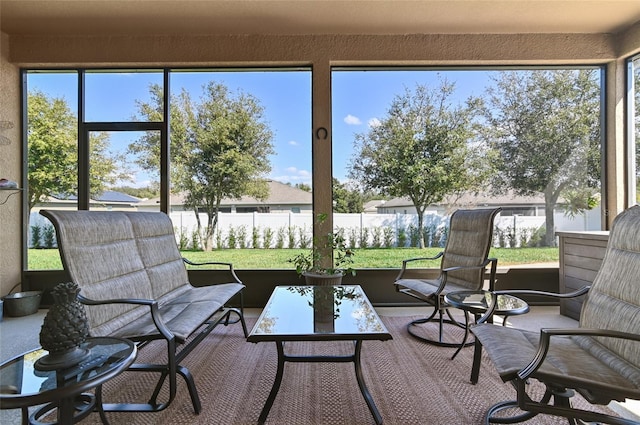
477,303
21,385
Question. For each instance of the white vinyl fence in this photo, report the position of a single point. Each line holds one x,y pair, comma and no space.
294,230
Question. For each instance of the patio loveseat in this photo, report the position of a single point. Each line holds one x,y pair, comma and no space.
134,284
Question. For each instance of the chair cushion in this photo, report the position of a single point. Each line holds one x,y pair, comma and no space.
468,244
599,378
182,311
427,287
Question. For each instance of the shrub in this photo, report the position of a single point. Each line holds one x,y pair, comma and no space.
219,241
440,237
499,236
429,235
511,237
242,236
364,238
267,237
195,240
524,236
304,240
352,237
255,237
292,237
387,237
414,236
49,235
537,236
281,237
183,241
36,234
377,237
231,238
402,237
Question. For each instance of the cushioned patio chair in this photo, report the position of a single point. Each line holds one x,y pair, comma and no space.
463,264
599,360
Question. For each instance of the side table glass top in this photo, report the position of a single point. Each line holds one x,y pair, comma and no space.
21,384
478,301
317,313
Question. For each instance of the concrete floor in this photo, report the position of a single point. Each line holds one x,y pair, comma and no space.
21,334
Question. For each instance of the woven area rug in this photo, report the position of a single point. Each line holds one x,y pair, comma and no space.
411,383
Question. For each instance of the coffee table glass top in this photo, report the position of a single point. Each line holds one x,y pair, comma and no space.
318,313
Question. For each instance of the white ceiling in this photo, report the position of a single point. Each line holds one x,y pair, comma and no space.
316,16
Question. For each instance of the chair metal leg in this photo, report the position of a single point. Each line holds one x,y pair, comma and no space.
412,326
512,404
466,335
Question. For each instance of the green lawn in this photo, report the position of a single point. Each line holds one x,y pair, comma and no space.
48,259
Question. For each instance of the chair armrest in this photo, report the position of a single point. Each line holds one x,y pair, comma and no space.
545,343
215,263
153,306
411,260
485,263
573,294
516,292
140,301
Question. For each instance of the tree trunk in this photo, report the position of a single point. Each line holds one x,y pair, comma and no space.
420,212
550,200
211,227
195,211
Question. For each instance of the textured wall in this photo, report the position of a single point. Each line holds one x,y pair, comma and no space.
339,49
10,151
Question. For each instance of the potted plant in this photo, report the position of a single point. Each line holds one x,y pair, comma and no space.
310,264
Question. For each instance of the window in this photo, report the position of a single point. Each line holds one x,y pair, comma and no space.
400,134
232,134
253,126
82,161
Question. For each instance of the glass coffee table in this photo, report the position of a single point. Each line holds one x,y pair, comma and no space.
319,313
477,303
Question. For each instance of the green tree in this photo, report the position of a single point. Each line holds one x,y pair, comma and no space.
424,149
346,199
53,152
220,149
303,186
545,126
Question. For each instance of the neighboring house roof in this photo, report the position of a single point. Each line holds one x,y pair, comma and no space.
113,196
481,199
373,205
279,194
106,196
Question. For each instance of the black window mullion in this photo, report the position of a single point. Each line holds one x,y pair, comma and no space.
165,181
84,154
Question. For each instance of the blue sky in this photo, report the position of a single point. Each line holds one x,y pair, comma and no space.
359,98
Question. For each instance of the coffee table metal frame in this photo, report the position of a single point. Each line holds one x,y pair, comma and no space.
312,334
67,387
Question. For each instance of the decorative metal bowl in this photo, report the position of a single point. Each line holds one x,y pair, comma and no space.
22,303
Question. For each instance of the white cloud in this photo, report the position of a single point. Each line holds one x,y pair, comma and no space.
296,171
374,122
351,120
292,143
294,175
